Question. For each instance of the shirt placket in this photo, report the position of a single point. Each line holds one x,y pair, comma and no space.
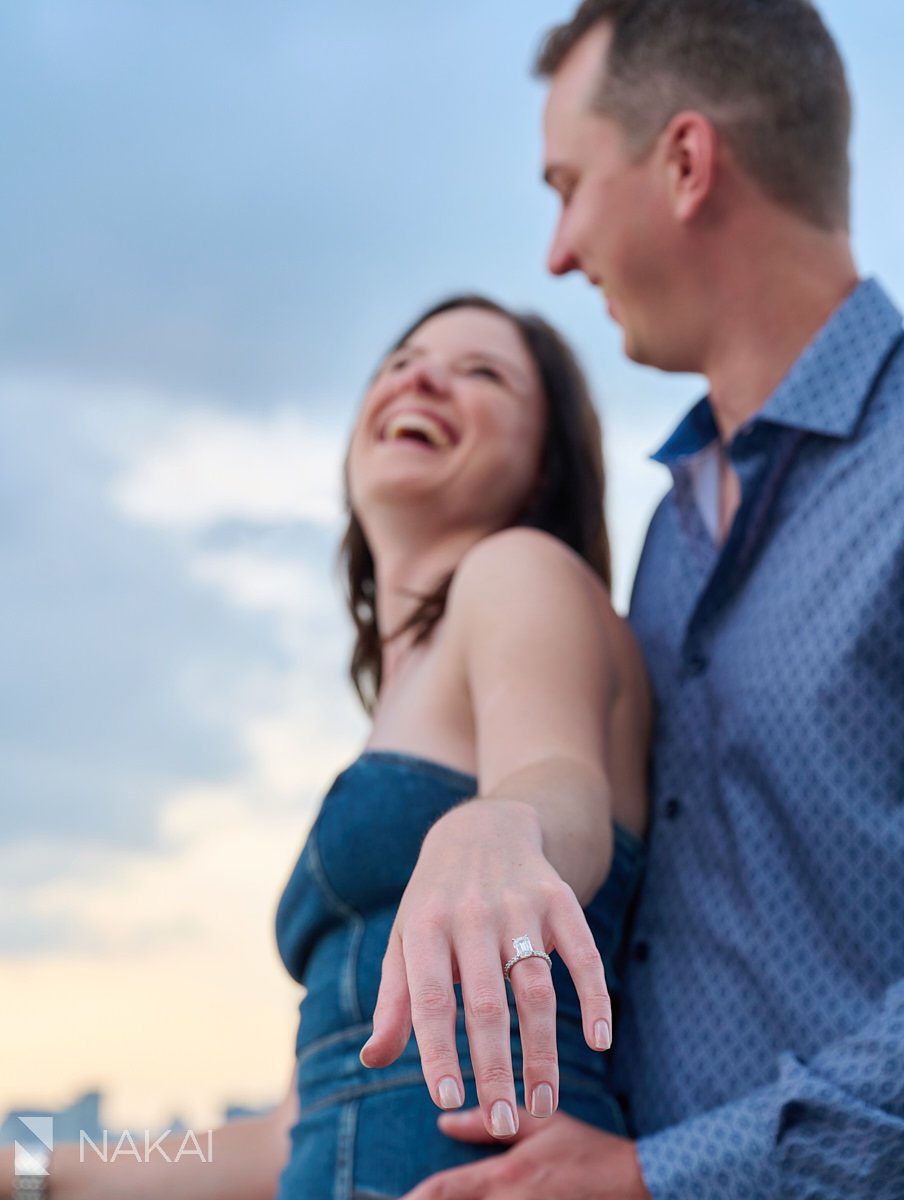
686,779
762,455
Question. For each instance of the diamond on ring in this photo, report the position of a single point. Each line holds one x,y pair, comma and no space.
524,949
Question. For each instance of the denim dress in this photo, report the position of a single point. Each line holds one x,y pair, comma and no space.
372,1134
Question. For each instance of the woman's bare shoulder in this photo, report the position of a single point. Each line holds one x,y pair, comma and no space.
514,561
524,579
524,584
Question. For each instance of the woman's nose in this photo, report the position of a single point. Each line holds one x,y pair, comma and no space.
430,376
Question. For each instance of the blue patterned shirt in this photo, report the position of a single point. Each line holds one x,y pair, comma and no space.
761,1047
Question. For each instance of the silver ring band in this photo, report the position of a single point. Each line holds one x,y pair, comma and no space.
524,949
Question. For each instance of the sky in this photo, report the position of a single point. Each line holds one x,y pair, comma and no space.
214,217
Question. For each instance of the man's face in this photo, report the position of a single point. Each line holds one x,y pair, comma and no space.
615,225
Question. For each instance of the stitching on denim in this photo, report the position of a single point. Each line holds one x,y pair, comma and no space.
345,1153
350,1033
598,1082
423,766
592,1086
350,974
335,901
348,984
359,1091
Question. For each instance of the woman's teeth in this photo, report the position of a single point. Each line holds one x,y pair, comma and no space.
418,426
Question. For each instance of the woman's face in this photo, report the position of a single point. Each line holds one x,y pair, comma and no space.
453,423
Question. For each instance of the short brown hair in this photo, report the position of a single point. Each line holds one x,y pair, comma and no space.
766,72
568,501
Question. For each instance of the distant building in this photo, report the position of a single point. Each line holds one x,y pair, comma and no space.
234,1112
83,1116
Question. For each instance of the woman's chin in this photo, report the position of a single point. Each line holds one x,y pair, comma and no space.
401,487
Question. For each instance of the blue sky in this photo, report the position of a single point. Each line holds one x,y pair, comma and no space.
214,217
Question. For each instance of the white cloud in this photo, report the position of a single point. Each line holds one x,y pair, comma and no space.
180,1000
257,582
181,1003
172,981
634,488
211,467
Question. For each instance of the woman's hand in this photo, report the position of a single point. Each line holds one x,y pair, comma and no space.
482,879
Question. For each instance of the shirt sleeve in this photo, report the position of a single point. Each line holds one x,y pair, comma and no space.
831,1128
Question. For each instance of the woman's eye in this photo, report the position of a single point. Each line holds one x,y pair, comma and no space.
397,364
486,372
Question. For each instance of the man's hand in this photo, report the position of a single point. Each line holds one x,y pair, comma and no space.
556,1159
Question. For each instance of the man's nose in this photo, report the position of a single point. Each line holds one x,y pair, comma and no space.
560,258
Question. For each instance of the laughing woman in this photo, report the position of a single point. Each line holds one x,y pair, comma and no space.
496,813
502,786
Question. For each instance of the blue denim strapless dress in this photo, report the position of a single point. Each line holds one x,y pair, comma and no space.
372,1134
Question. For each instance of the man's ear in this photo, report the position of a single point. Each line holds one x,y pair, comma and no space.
690,145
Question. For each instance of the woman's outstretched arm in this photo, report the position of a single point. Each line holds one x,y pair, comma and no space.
248,1157
536,639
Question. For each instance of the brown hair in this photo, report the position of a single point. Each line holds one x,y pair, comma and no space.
568,501
766,72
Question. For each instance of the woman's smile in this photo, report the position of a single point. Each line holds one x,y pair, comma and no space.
420,427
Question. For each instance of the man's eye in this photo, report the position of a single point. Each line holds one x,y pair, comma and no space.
396,364
566,191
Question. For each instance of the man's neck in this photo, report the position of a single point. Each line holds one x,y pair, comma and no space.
768,312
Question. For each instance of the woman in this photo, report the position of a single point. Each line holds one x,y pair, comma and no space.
501,785
493,667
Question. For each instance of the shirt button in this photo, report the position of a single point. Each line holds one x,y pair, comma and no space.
672,808
696,664
641,951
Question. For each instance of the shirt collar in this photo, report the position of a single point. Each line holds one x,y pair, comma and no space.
827,388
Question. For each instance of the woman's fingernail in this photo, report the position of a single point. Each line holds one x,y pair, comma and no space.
602,1035
502,1119
363,1048
450,1093
541,1101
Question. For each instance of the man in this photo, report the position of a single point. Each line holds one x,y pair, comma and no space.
699,148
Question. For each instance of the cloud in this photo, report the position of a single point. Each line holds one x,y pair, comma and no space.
139,881
166,955
168,596
634,486
215,467
171,994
